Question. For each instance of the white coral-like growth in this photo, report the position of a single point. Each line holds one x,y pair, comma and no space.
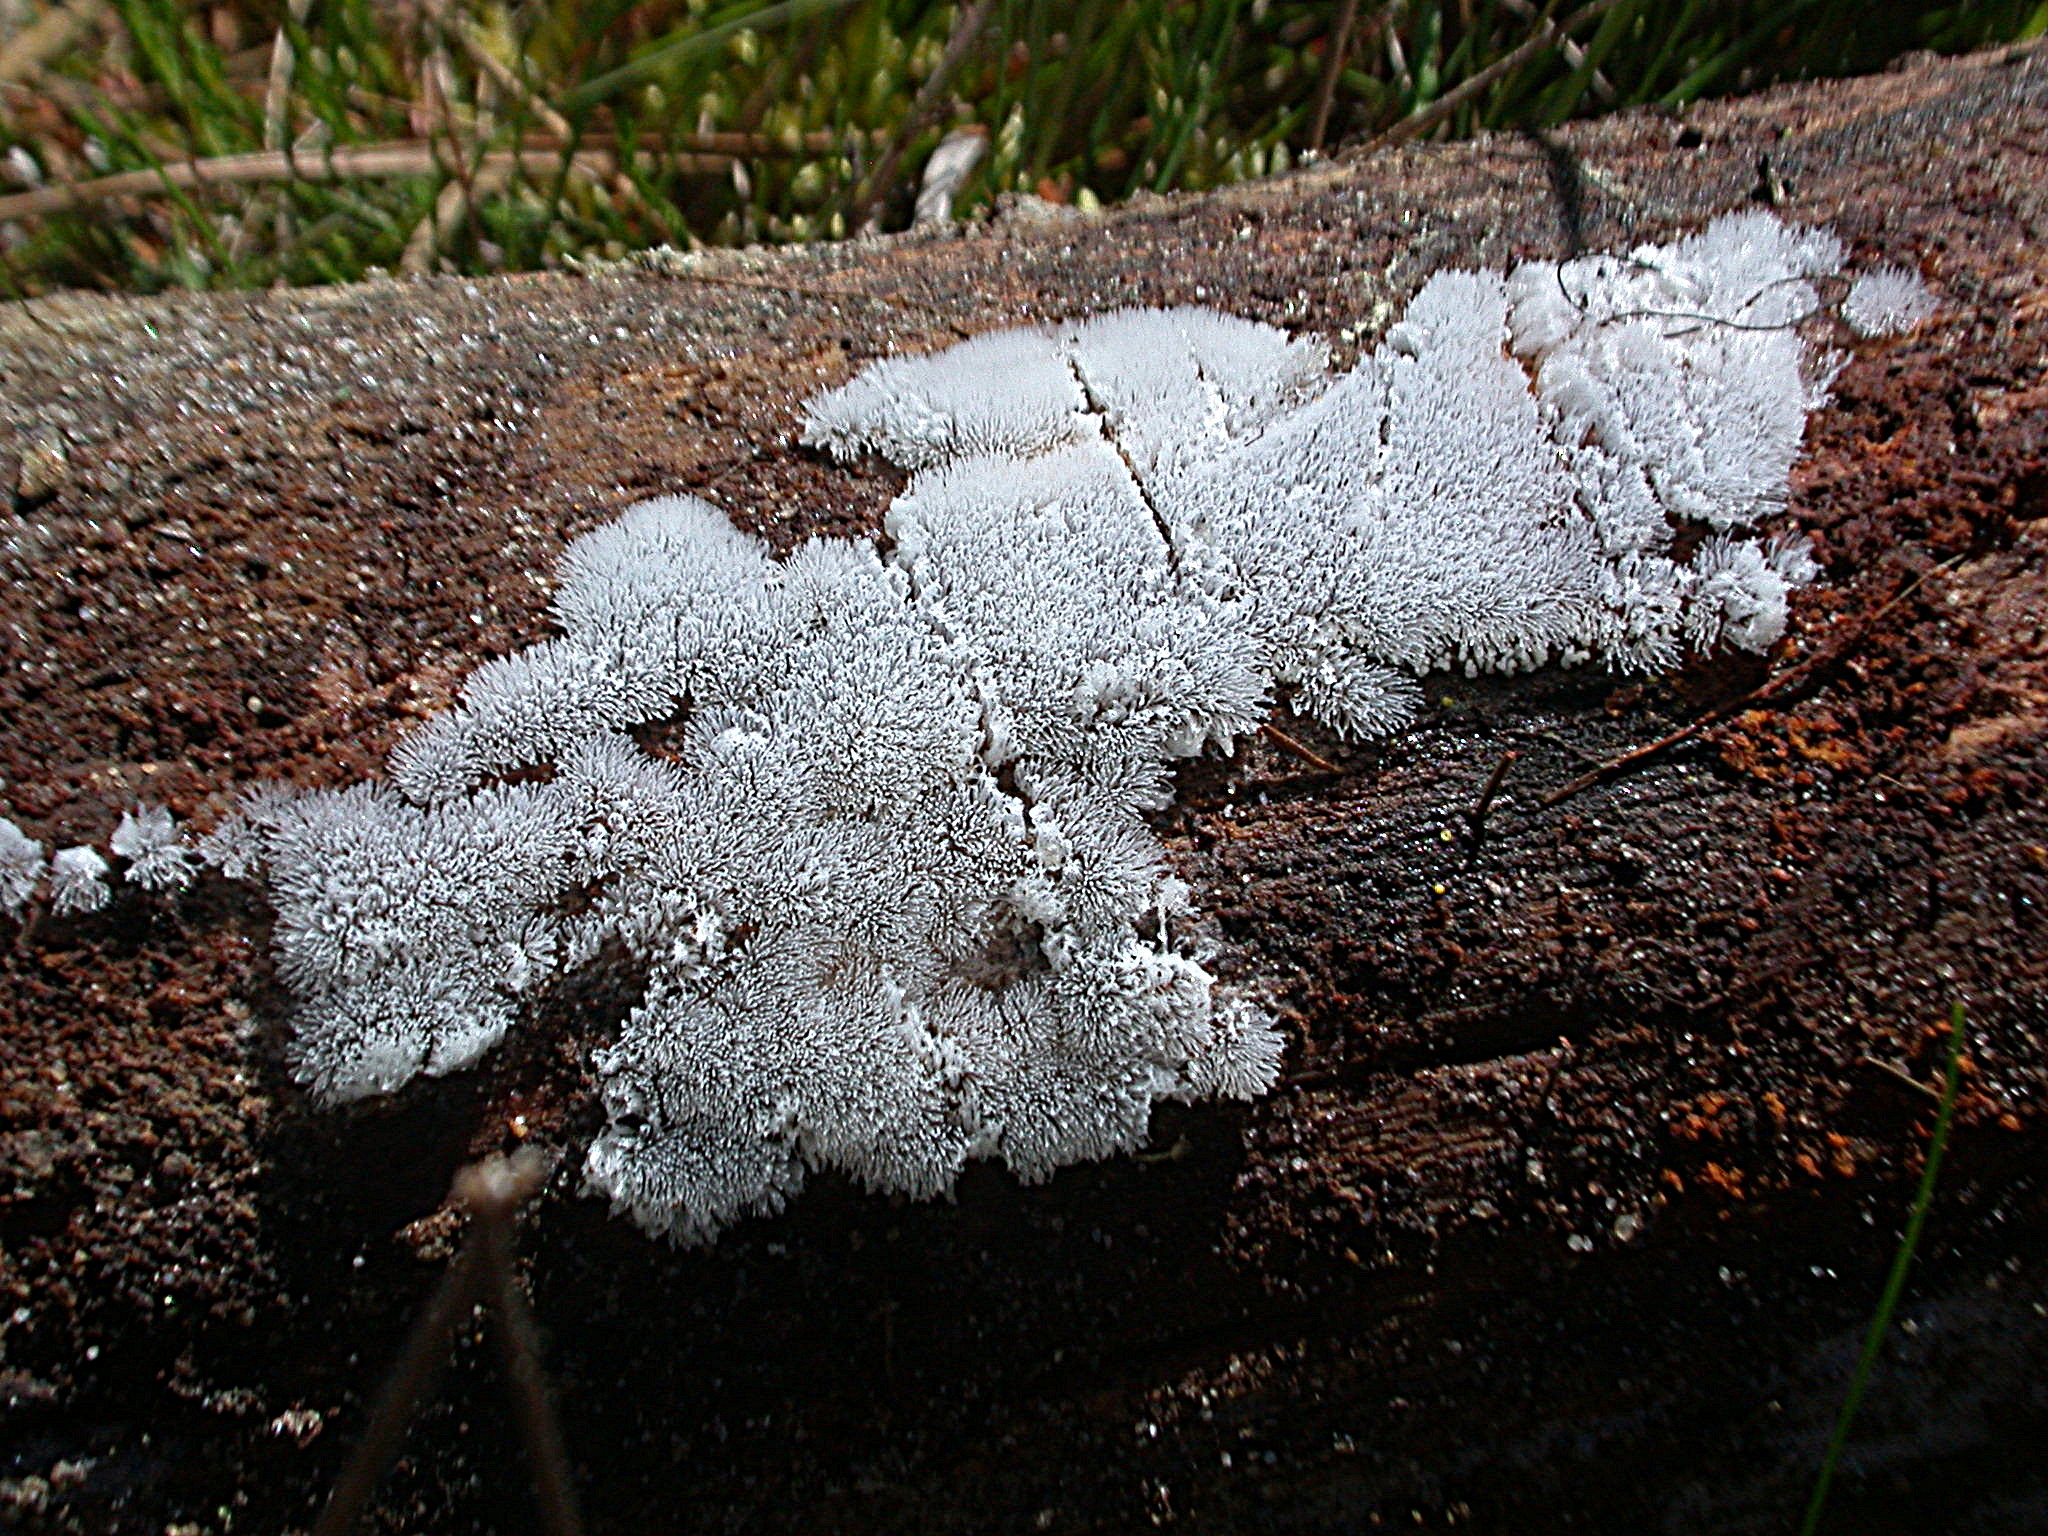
21,866
883,856
147,837
78,881
1889,301
1007,392
409,933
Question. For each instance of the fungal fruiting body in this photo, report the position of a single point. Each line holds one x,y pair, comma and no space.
78,881
21,867
891,883
148,839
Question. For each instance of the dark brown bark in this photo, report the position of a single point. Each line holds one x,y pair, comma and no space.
1599,1119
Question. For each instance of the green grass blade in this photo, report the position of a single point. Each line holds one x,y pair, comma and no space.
692,45
1895,1283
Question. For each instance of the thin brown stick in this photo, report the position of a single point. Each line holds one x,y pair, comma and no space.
725,142
492,1190
1475,816
1574,55
1902,1077
368,161
1544,34
874,187
411,1383
821,141
1287,743
1768,689
519,1349
1333,67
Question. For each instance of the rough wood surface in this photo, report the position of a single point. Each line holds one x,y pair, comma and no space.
1598,1124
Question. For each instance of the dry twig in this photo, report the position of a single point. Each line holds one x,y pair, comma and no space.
1901,1076
1333,66
1770,688
1475,815
1542,36
1574,55
342,163
1287,743
483,1273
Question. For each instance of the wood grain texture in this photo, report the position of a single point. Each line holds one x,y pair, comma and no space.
1597,1127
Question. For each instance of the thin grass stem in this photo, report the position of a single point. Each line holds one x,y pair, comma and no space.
1895,1282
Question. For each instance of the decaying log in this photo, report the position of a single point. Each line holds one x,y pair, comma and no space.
1600,1116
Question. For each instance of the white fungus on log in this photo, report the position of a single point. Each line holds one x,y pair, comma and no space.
890,878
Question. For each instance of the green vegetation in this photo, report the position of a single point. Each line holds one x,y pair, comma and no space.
1895,1282
154,143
